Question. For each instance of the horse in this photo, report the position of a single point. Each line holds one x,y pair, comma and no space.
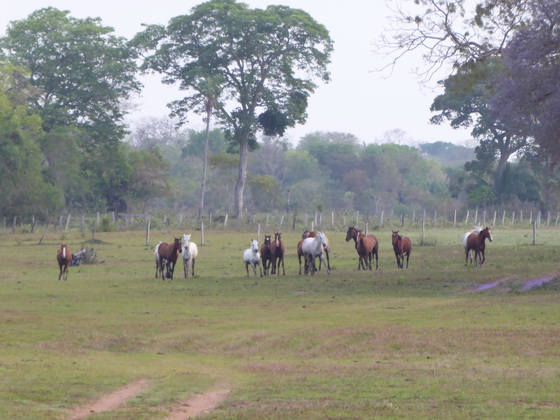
157,258
168,254
367,247
402,246
352,233
190,252
476,242
252,257
312,234
266,254
312,248
277,249
63,256
476,229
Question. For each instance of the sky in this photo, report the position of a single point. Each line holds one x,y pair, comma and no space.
359,99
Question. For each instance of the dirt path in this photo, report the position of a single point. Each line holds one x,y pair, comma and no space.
111,401
198,404
195,406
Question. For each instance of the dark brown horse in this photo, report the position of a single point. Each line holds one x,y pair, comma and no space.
168,254
367,247
476,243
352,233
266,254
277,249
402,246
63,256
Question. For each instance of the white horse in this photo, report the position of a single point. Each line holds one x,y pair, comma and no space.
252,257
477,229
156,255
313,248
190,252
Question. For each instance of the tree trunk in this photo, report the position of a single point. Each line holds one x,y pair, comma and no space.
241,178
205,162
500,169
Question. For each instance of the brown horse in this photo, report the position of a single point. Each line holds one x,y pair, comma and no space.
277,250
367,247
266,254
402,246
168,254
352,233
63,256
313,234
476,242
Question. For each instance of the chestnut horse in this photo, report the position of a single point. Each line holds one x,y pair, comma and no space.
168,254
266,254
277,250
476,242
367,249
352,233
402,246
63,256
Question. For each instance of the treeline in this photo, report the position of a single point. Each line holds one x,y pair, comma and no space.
65,147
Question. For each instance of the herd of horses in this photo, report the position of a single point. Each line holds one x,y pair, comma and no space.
313,246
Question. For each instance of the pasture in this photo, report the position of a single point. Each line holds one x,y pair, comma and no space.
436,340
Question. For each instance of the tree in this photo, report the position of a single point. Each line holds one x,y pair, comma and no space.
448,34
82,71
263,64
467,102
23,191
528,94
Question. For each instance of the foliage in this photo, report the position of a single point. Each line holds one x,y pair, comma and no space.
528,94
82,71
23,190
258,61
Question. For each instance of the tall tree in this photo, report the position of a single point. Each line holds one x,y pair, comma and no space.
451,32
467,102
263,62
528,94
81,69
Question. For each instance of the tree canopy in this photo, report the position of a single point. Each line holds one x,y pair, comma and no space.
258,66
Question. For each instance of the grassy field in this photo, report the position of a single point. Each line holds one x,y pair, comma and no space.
416,343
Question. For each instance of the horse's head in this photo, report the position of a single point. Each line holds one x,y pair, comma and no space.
277,238
266,242
351,233
305,234
186,239
255,245
395,237
359,232
321,237
177,245
487,233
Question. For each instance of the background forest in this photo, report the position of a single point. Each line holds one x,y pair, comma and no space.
65,146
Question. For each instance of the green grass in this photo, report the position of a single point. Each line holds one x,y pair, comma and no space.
392,343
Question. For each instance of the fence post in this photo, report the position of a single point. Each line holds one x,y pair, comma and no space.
259,233
455,218
225,220
423,233
148,231
381,219
534,232
495,213
467,218
413,216
503,218
512,218
201,233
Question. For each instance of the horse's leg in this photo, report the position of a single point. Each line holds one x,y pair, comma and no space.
260,269
193,260
328,259
186,267
60,268
407,257
283,269
326,265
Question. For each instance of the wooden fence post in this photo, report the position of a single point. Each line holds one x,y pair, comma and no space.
148,231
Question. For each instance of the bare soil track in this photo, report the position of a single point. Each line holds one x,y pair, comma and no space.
192,407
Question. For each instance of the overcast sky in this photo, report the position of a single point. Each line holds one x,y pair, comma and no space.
358,99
